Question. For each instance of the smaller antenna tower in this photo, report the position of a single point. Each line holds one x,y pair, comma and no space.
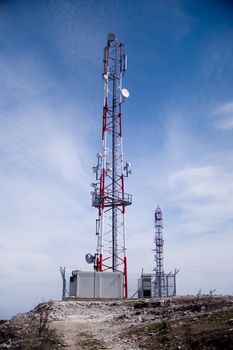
158,284
159,272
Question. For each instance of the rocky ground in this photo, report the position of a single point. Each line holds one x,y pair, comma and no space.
198,323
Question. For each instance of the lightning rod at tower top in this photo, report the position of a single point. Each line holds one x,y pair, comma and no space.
108,194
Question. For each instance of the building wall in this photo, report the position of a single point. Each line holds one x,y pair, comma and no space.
148,286
98,285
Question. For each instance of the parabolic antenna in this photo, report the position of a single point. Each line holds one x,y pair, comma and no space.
125,93
105,77
89,258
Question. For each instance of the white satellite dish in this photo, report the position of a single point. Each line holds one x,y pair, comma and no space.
89,258
105,77
125,93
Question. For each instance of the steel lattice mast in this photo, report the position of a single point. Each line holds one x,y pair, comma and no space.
159,272
109,194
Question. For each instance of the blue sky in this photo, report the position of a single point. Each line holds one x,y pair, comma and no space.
178,126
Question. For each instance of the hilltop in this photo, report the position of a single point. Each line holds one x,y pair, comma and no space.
203,323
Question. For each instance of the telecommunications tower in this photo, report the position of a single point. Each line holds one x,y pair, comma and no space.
108,194
158,284
159,272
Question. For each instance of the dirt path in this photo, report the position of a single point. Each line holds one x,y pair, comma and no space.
146,324
91,328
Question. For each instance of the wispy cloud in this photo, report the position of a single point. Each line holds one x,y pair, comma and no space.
194,186
204,194
206,182
43,180
224,115
181,22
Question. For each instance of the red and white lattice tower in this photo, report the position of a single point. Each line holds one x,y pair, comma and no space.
109,195
159,272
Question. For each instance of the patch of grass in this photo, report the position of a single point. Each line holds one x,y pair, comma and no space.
205,332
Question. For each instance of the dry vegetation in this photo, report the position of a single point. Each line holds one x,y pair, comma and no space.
200,323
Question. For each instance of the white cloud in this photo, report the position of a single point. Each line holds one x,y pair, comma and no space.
228,124
66,156
204,196
225,108
194,186
224,113
45,211
206,182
